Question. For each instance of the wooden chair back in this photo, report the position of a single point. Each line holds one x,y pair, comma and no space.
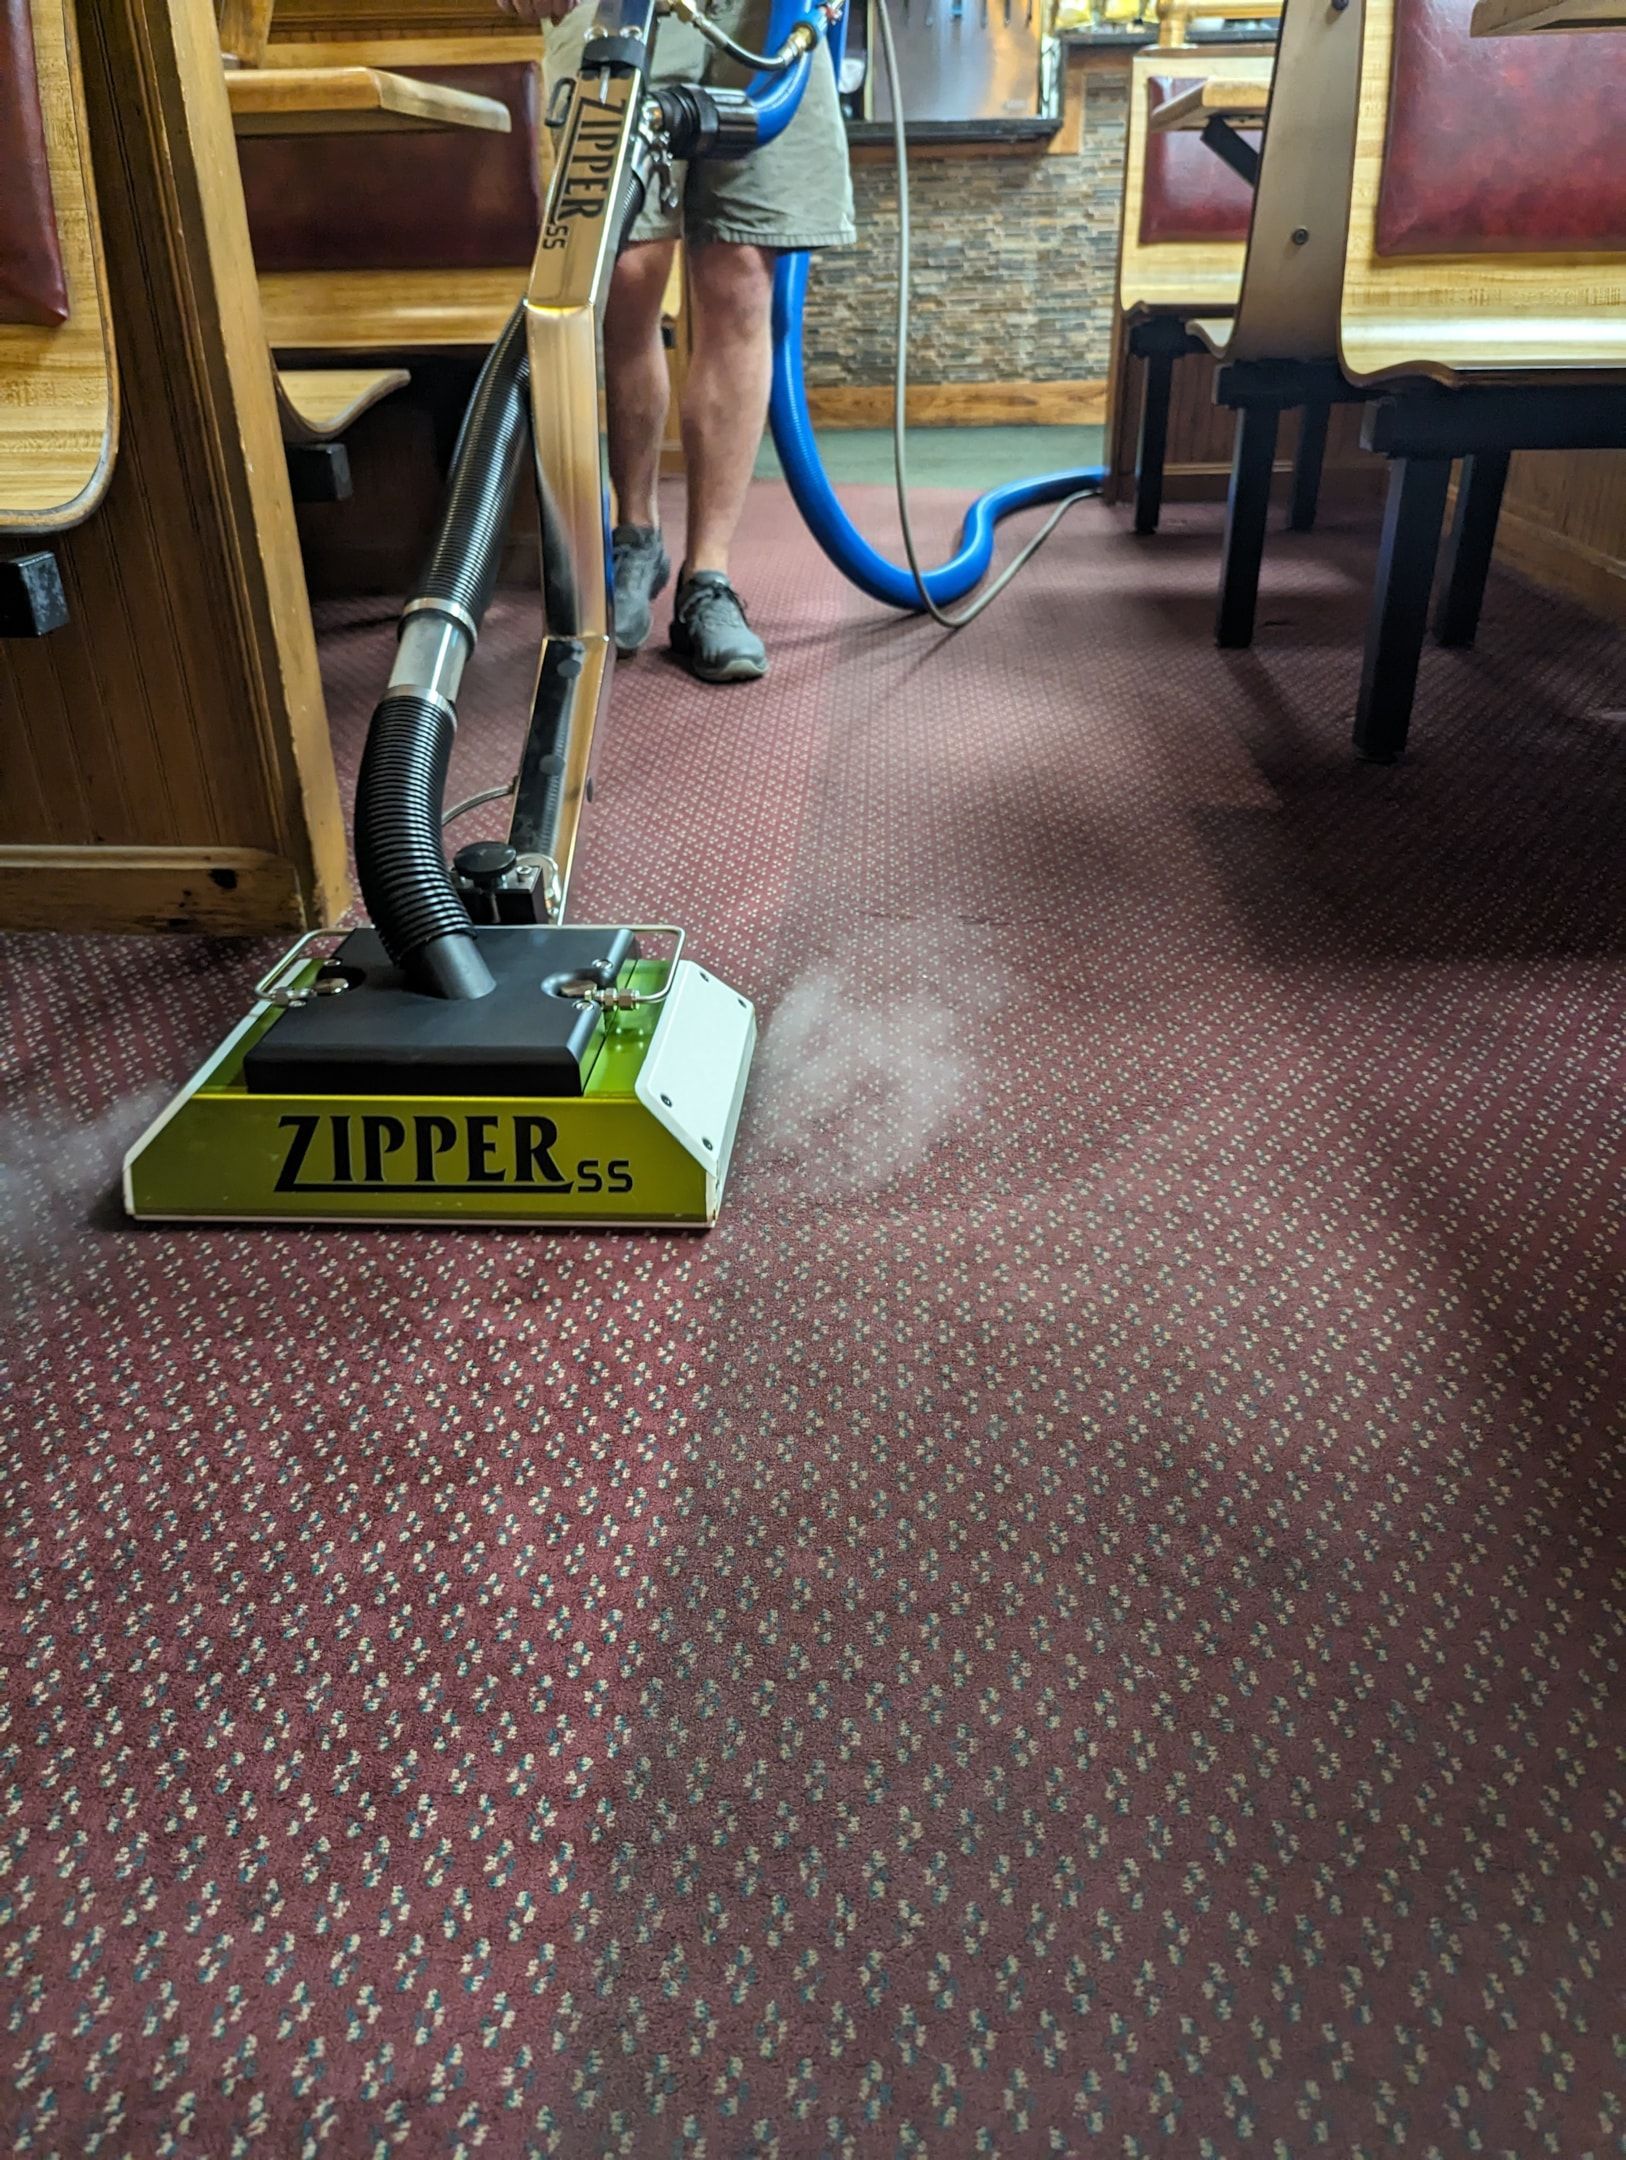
1293,269
1162,266
245,30
1488,223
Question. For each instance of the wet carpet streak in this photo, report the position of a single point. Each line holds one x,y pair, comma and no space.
1084,1616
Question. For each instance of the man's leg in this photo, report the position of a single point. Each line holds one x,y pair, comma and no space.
725,401
635,379
635,394
725,398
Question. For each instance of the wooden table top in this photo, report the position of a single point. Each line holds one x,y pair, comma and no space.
351,100
1221,97
1514,18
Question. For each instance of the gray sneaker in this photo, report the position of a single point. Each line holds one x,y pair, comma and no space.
710,634
642,568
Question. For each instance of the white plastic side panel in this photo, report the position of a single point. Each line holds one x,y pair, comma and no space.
693,1077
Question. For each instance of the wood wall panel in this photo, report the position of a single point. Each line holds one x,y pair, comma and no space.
180,711
956,404
1564,524
226,891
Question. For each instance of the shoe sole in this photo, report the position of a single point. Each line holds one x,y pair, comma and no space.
741,670
735,671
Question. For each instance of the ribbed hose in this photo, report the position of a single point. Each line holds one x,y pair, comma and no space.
491,443
400,794
411,898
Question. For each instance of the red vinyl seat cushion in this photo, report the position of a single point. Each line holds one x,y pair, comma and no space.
1501,145
33,285
446,199
1188,193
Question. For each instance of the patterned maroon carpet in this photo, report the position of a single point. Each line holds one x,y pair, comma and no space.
1079,1618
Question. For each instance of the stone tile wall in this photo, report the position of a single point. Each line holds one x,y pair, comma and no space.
1015,258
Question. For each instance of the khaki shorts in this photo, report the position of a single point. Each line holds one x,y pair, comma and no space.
796,193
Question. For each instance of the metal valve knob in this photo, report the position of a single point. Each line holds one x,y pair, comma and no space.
484,863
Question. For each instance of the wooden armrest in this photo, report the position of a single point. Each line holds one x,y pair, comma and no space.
318,404
1512,18
1219,98
351,100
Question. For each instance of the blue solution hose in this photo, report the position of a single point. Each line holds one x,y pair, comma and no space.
893,584
872,572
776,106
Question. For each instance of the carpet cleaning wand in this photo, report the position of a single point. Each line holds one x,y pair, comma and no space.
471,1056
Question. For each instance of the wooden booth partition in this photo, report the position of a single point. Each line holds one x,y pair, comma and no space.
164,757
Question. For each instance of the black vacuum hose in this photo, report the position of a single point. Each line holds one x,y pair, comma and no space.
400,795
467,548
404,880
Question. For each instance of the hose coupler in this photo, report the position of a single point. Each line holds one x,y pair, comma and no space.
704,121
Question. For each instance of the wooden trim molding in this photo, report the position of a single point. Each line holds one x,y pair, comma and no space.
228,892
1081,403
1204,482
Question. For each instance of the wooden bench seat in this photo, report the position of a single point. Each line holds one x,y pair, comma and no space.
387,311
401,244
316,407
408,247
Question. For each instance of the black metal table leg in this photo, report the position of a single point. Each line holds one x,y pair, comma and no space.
1246,513
1468,551
1307,465
1154,440
1412,517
